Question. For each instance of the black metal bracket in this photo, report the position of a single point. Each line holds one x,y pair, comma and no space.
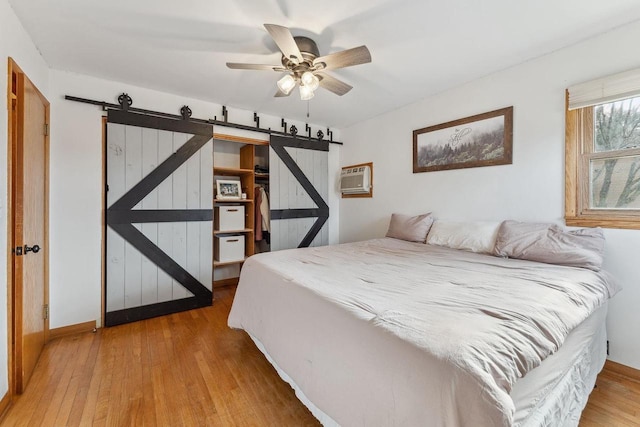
256,119
125,102
330,135
185,112
307,129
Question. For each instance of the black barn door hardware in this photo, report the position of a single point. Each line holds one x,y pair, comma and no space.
126,102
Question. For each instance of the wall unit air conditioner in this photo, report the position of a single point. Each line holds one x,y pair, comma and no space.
355,180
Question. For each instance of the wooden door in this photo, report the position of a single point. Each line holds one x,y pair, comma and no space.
159,246
298,184
30,228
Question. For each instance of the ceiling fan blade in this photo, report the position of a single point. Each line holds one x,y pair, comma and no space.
240,66
344,58
281,94
283,38
332,84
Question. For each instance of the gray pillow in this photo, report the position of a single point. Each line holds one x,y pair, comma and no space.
410,228
551,244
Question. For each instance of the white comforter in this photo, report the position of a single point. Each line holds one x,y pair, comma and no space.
386,332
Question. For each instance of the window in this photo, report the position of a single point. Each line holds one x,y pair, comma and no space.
602,182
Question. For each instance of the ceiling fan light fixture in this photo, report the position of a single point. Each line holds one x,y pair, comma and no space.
310,80
294,59
306,93
286,84
304,66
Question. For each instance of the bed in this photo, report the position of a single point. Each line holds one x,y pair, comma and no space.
390,332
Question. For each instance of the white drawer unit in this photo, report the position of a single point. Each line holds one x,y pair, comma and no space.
229,248
229,218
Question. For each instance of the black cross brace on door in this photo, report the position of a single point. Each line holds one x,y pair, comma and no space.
278,144
121,216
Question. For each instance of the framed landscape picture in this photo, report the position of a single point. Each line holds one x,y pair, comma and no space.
481,140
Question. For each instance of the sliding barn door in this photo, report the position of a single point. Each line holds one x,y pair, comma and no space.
298,182
159,216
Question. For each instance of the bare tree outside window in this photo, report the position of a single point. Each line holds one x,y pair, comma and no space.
615,180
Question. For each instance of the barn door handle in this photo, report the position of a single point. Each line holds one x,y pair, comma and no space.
35,249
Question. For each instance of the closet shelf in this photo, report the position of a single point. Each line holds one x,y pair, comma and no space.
246,230
262,176
231,171
244,170
222,264
232,200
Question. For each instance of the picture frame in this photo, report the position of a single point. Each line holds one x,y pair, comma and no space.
228,189
481,140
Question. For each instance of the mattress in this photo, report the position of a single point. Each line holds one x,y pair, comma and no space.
551,395
387,332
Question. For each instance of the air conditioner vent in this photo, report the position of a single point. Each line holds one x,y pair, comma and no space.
355,180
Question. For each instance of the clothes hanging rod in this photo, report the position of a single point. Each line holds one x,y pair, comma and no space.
123,106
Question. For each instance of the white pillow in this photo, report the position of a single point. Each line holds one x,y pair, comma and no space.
477,236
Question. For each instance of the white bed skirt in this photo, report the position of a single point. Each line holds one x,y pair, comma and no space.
552,395
324,419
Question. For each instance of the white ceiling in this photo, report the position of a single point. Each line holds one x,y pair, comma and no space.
418,47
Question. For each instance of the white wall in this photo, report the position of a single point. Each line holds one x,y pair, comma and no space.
532,188
14,43
76,181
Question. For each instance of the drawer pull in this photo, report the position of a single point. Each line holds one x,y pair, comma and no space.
232,210
232,240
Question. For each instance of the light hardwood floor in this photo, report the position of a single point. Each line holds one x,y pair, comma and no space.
190,369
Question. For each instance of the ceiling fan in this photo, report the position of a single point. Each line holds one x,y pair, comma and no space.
304,66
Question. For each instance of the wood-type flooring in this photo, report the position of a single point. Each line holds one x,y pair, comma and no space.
191,369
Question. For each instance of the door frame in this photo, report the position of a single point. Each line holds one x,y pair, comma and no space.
14,126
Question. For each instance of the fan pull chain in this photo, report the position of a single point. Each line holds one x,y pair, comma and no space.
307,108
